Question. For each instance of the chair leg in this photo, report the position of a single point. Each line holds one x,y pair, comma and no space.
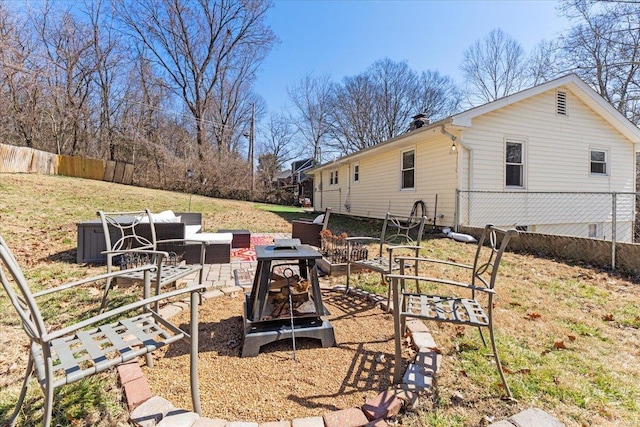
48,395
107,286
385,282
498,364
397,326
23,393
346,291
195,390
484,341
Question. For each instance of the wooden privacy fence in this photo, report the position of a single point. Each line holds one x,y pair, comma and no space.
27,160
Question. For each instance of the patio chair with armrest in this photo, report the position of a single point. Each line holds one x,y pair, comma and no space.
309,231
389,244
475,310
90,346
130,239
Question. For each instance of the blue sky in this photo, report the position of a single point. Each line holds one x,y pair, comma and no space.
344,37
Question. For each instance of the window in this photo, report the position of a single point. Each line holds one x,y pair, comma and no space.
561,103
356,173
593,231
514,161
333,178
408,169
599,162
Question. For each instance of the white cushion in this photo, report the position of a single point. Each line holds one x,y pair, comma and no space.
319,219
190,230
165,216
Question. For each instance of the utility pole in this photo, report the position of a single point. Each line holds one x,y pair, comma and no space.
251,144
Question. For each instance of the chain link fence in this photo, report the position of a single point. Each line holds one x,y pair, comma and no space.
591,227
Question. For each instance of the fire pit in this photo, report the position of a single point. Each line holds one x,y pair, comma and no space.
285,299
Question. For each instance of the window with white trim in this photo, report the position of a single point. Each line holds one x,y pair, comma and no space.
333,177
599,161
408,170
356,173
514,164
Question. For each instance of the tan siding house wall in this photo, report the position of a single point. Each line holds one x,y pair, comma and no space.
557,148
557,152
557,158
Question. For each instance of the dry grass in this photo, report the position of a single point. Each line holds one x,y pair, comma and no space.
568,334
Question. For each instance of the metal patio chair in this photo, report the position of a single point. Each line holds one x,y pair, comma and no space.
392,240
76,351
130,239
475,310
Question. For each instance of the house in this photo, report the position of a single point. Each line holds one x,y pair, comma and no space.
560,136
297,182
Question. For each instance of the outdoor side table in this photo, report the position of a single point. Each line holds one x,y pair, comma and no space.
267,316
241,238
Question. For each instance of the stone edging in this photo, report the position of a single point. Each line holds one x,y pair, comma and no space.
148,410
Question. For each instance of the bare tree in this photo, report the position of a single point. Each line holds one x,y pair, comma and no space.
545,63
312,99
67,71
396,89
373,106
106,48
493,68
199,44
603,48
354,115
20,91
277,140
378,104
438,96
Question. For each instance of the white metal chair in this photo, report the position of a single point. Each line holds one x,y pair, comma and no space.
130,239
66,355
399,233
476,310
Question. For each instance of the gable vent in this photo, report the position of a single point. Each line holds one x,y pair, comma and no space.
561,103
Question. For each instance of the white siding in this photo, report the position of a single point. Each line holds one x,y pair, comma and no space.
557,158
556,147
378,189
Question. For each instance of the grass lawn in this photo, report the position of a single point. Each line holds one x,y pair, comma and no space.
567,334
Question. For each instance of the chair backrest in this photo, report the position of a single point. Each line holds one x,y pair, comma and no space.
128,230
491,247
402,229
325,221
16,286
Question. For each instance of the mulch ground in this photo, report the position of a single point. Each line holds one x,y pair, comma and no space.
272,386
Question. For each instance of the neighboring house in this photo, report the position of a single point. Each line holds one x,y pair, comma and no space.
297,182
558,136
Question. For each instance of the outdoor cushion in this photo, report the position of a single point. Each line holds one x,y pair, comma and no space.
191,230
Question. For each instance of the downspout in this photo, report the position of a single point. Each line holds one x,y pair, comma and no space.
460,142
347,204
